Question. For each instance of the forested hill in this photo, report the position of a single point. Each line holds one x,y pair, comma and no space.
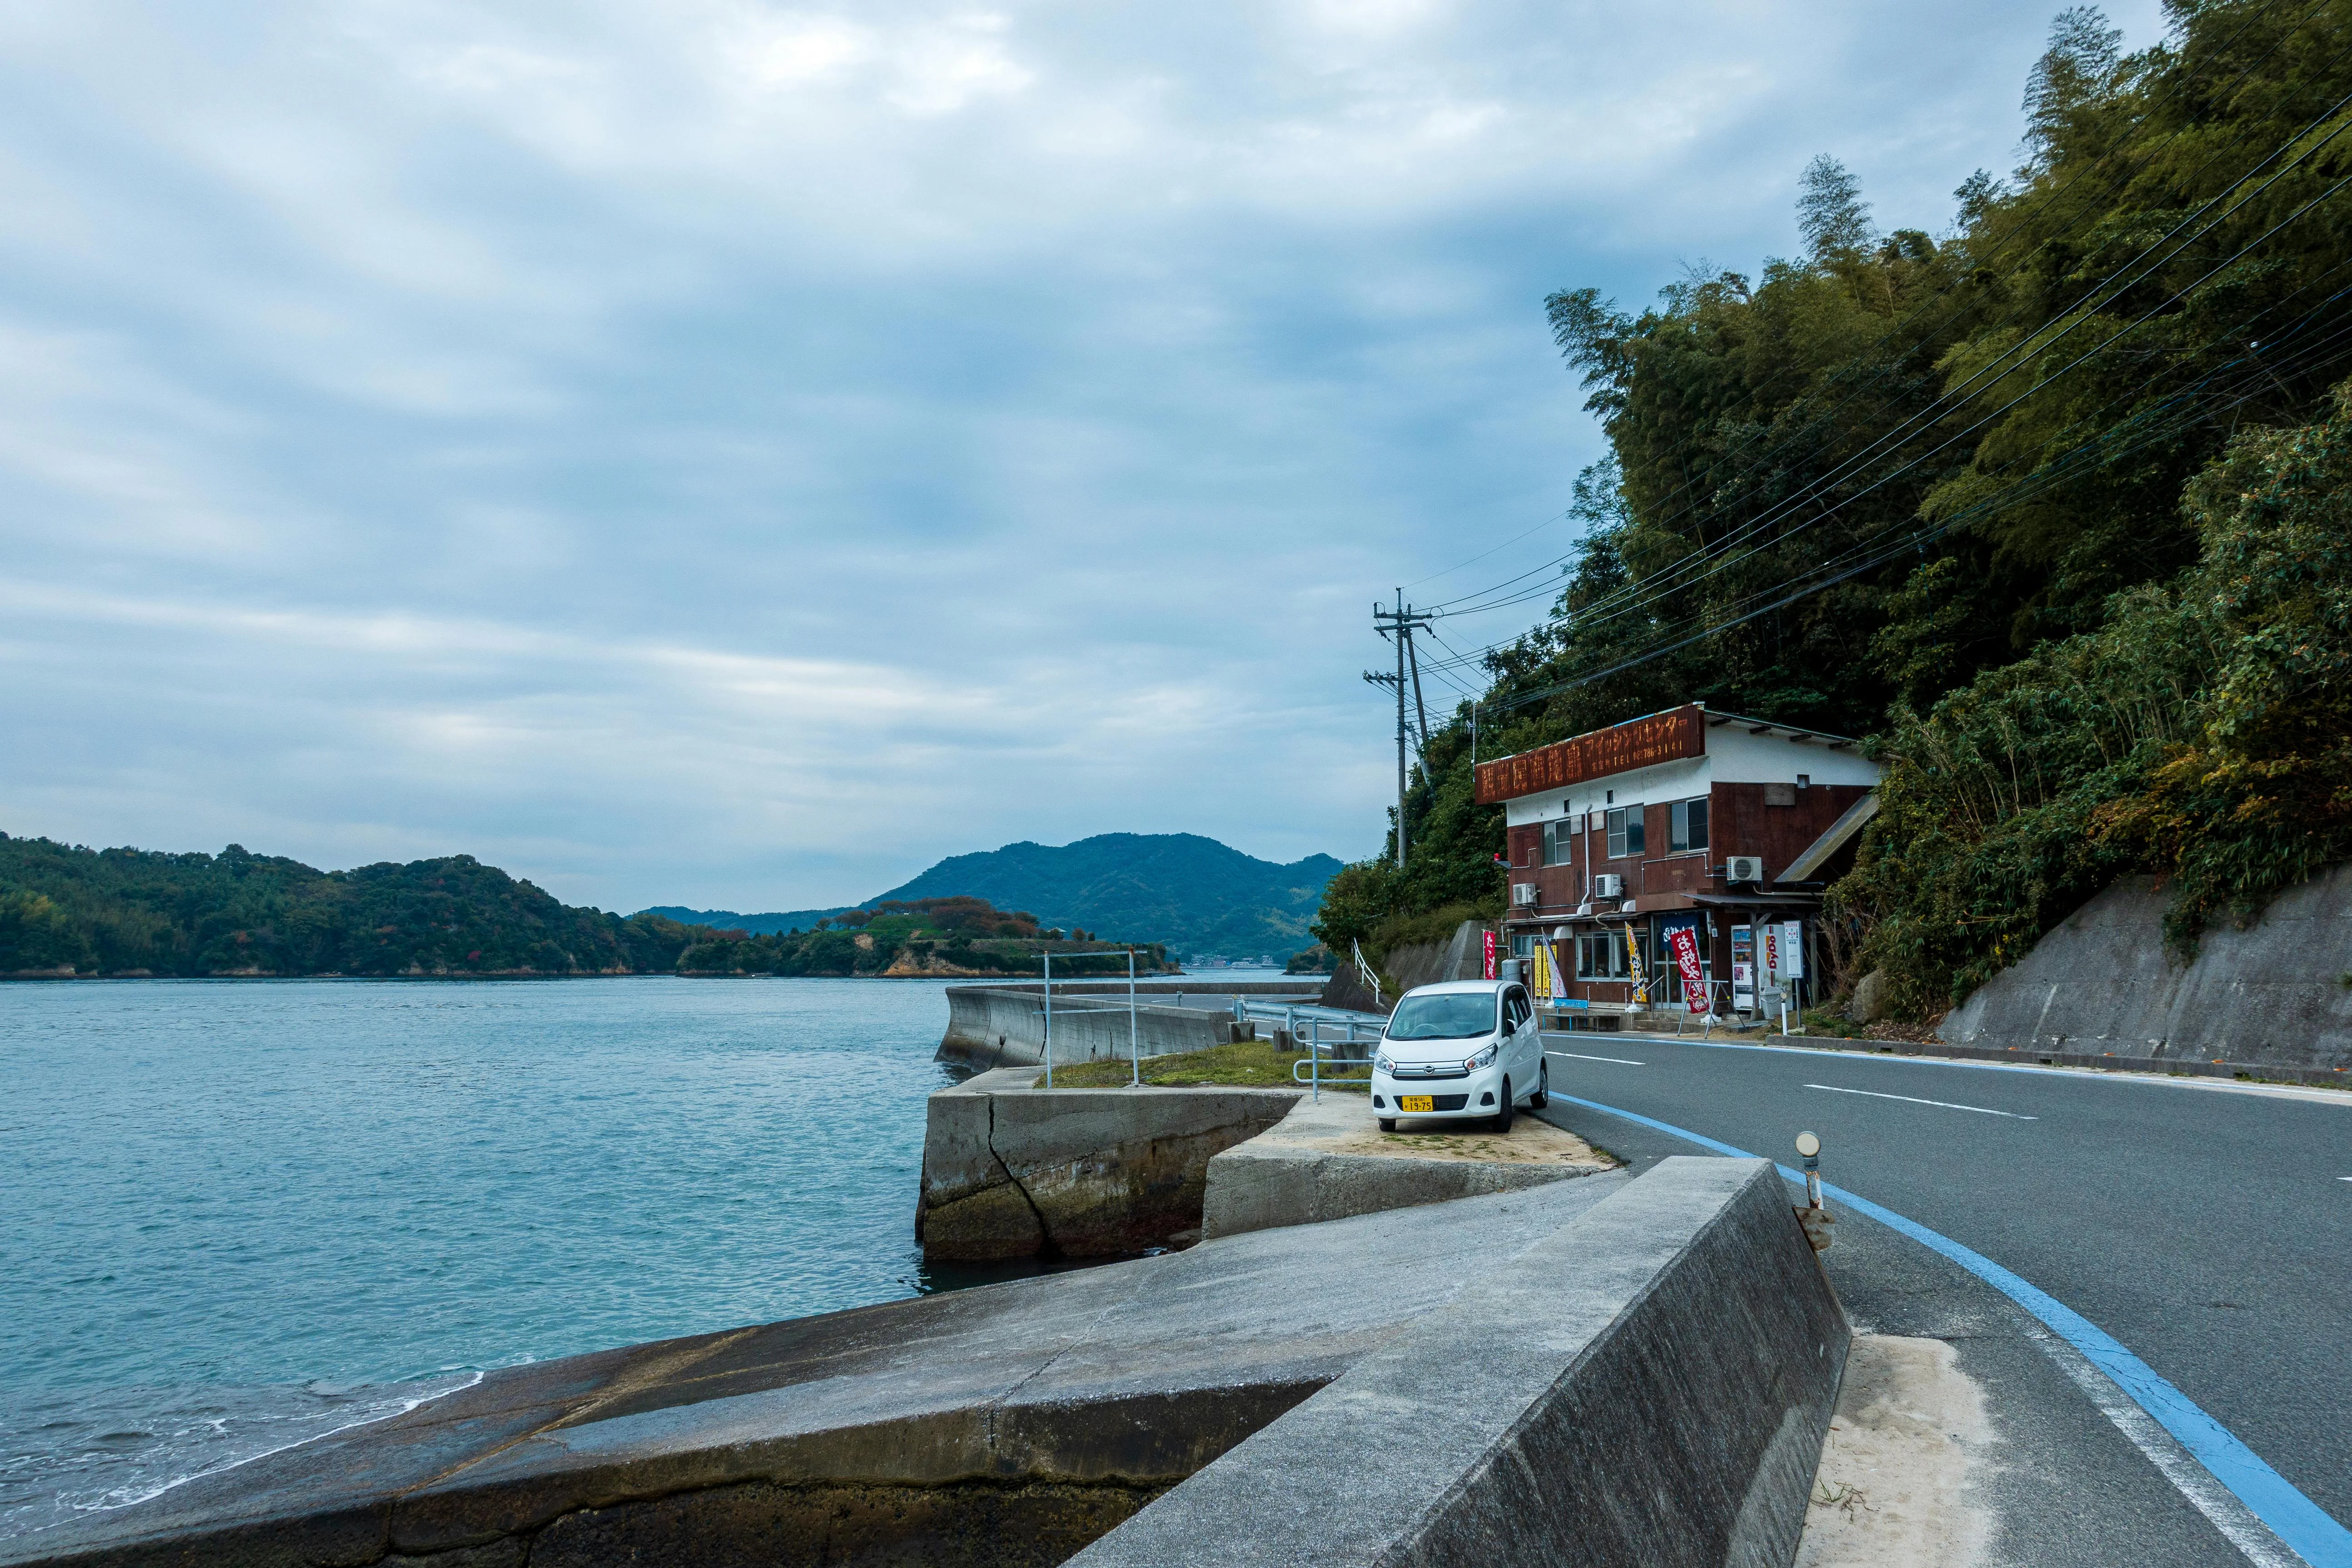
2049,496
136,912
1191,894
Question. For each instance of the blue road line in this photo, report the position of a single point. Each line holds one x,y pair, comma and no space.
2307,1529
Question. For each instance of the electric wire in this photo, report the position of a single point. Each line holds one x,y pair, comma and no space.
1651,590
1883,370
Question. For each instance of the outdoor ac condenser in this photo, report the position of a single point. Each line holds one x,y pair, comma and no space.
1608,887
1743,869
1523,892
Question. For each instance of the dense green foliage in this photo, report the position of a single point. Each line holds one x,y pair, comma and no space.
958,935
133,911
2204,733
1193,895
1904,475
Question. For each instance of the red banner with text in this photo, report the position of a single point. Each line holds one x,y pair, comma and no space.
1685,942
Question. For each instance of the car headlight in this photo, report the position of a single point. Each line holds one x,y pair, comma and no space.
1481,1060
1382,1064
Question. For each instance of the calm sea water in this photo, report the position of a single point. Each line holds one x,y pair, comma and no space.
234,1215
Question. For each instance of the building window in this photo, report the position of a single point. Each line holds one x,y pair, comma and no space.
1624,832
1690,823
1558,838
1602,956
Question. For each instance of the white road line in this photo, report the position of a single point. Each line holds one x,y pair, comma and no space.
1629,1062
1947,1105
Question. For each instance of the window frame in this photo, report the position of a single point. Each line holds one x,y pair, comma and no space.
1628,832
1678,827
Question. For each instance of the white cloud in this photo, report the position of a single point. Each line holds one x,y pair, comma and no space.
719,452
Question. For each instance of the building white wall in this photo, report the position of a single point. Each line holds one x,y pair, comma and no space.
1742,758
1667,781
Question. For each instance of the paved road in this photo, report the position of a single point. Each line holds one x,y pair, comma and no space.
2208,1229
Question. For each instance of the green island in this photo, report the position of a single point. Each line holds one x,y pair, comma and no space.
956,936
70,911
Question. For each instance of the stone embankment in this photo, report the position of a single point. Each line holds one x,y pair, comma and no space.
1004,1025
2277,992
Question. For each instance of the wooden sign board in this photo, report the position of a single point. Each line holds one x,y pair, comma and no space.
1666,737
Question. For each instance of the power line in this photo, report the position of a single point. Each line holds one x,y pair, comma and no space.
2024,489
1998,244
1636,597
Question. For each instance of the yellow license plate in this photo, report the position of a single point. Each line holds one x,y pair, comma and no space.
1415,1102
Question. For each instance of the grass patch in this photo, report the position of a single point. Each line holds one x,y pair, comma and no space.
1245,1064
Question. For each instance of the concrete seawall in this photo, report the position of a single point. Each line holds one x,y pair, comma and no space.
1012,1170
1598,1371
2102,981
1003,1026
1008,1424
1650,1383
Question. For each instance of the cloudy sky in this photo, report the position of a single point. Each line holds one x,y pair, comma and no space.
709,452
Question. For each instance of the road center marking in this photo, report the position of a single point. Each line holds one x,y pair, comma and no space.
1947,1105
1629,1062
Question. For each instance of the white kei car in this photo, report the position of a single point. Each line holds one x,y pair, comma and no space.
1463,1048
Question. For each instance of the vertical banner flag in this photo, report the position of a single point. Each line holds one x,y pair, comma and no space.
1792,949
1685,942
1542,980
1772,955
1490,955
1633,968
1559,975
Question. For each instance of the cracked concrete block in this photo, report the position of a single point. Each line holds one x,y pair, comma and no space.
1098,1171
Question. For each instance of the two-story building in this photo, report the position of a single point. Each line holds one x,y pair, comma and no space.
1688,817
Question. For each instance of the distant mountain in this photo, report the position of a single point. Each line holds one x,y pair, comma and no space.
1194,894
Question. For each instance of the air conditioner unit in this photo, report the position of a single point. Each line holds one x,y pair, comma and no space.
1608,887
1743,869
1523,892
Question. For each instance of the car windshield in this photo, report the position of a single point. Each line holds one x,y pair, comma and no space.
1444,1016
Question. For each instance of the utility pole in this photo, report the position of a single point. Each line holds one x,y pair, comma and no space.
1398,624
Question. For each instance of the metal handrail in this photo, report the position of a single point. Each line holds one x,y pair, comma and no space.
1315,1046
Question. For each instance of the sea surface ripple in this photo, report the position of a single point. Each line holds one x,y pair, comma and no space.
236,1215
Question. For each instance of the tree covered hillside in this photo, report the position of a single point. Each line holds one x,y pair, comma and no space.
135,911
957,936
1191,894
2048,502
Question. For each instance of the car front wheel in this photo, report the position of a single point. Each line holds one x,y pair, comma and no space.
1388,1123
1503,1115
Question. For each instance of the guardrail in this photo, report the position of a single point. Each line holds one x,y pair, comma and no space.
1290,1015
1318,1049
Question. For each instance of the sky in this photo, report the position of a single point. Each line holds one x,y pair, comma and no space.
712,453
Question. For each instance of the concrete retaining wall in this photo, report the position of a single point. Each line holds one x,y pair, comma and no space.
1650,1384
992,1027
1293,1174
1009,1171
2102,981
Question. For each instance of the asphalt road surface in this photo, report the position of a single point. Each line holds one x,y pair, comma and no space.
2208,1228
